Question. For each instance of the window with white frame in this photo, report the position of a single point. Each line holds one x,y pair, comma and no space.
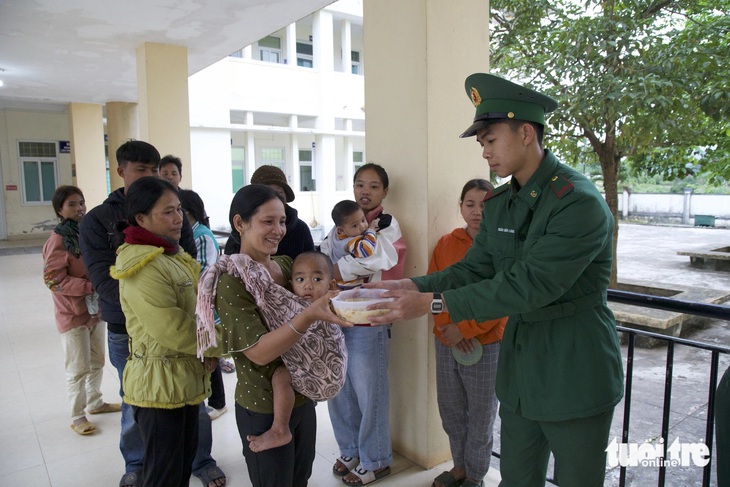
355,58
38,168
238,168
272,156
357,159
305,55
306,176
270,49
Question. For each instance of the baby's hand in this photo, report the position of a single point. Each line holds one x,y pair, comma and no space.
374,224
321,310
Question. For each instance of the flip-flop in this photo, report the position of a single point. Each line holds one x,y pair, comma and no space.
365,477
210,474
226,366
130,479
84,428
106,408
347,462
447,480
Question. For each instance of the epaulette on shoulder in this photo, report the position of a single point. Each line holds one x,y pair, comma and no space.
496,191
561,185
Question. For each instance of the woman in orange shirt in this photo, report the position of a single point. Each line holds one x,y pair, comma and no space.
466,360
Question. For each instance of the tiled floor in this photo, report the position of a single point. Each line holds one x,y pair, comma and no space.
37,447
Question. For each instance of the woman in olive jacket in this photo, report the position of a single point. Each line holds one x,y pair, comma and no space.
167,374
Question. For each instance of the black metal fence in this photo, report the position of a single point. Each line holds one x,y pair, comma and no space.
712,311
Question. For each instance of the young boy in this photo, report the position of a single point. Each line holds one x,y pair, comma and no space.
353,235
311,278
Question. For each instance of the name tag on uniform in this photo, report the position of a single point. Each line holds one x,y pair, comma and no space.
506,230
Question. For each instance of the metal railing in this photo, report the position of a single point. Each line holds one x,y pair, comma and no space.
713,311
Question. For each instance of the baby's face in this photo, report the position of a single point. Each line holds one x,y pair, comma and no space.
310,279
355,224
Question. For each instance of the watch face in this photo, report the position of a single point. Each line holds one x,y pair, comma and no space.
437,306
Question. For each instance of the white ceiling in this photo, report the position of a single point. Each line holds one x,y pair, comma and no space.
53,52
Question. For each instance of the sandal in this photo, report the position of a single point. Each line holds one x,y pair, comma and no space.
211,474
365,477
344,464
445,479
226,366
84,428
106,408
130,479
471,483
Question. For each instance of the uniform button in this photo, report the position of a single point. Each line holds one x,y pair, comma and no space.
522,238
518,347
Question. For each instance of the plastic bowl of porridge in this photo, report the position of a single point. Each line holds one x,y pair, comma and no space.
352,305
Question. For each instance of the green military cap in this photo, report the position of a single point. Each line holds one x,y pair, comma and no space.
496,98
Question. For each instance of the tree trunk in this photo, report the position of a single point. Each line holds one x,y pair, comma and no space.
610,166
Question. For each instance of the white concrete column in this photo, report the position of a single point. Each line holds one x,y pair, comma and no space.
687,204
162,90
324,156
247,52
324,170
294,169
86,125
122,124
250,152
291,44
348,173
416,108
625,204
346,46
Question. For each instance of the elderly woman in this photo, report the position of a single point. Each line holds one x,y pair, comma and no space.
262,320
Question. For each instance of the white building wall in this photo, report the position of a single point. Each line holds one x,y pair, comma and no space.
245,102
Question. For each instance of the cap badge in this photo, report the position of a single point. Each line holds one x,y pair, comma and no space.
510,115
476,99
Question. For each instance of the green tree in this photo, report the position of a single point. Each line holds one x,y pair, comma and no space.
646,81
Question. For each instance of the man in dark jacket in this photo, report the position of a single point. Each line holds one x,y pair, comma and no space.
99,240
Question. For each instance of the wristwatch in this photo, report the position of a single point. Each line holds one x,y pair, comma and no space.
437,304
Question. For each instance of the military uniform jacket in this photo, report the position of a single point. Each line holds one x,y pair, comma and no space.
543,257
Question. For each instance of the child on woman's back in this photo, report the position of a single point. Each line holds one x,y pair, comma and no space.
311,278
353,235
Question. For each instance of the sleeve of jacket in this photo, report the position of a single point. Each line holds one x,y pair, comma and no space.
364,245
55,270
150,296
207,253
98,256
576,231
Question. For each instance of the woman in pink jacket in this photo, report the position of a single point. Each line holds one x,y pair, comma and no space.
82,332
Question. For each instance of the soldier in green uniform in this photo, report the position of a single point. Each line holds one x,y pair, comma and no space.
542,257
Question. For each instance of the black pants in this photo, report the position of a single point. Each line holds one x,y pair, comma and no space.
286,466
217,399
170,438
